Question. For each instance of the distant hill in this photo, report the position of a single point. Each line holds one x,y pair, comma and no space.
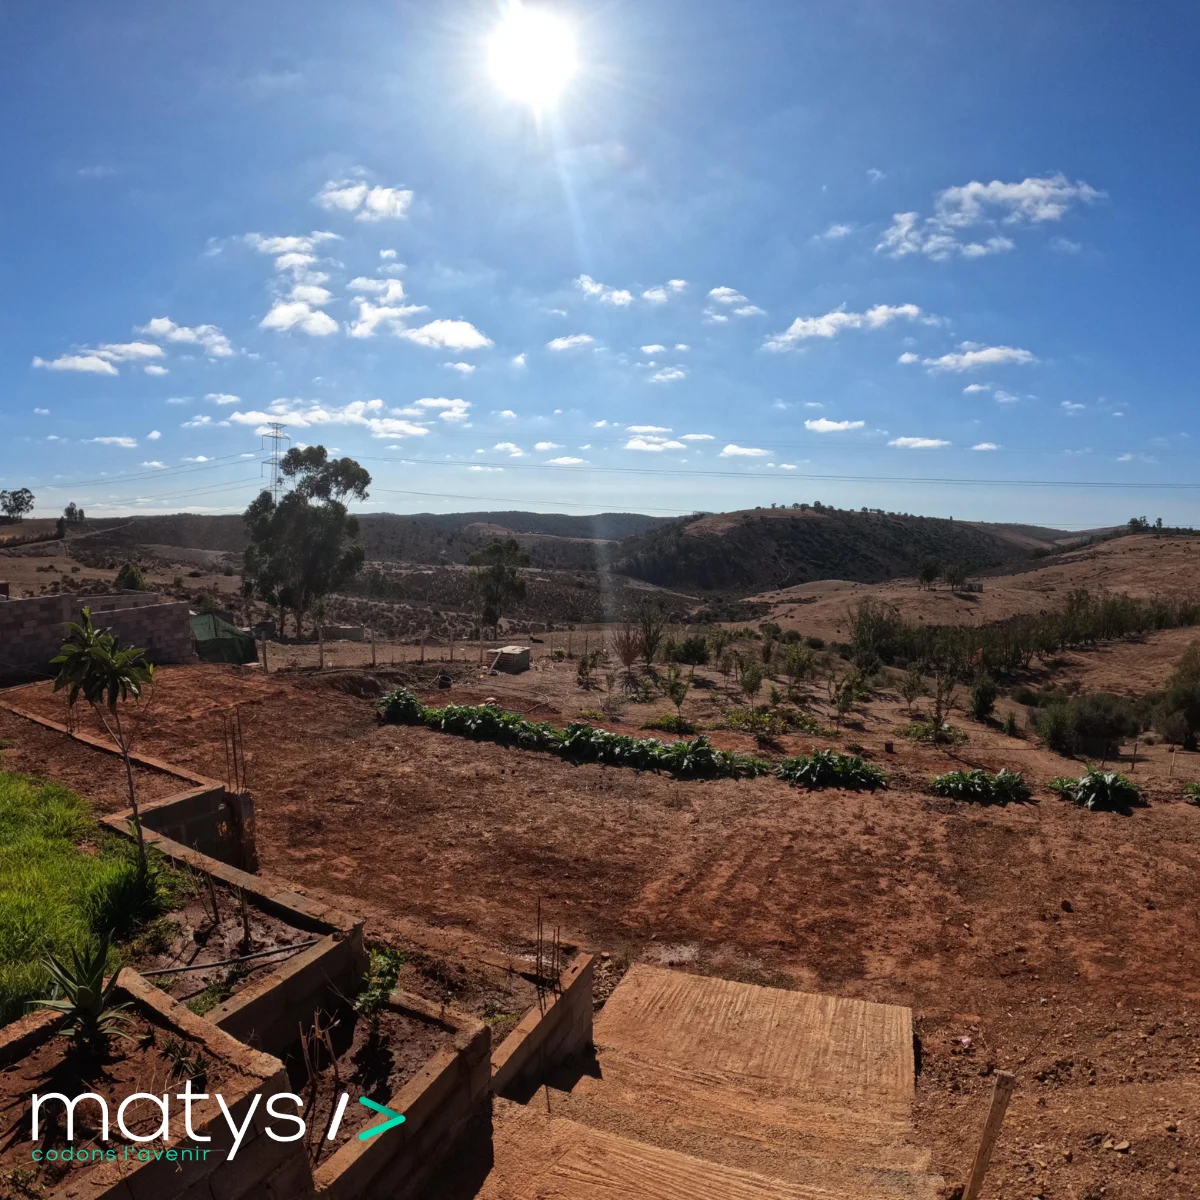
758,549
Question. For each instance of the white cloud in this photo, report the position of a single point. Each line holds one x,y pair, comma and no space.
390,291
1003,397
387,255
874,174
199,458
787,466
599,424
918,443
461,367
308,414
223,398
547,446
367,203
507,414
518,360
987,209
510,448
649,429
697,437
726,295
662,293
653,444
619,297
155,369
653,348
734,451
88,363
972,388
832,323
1070,408
388,316
156,464
908,357
296,314
682,347
453,411
824,425
311,294
42,412
489,469
126,443
214,343
566,461
668,375
749,310
836,232
570,341
813,404
198,422
447,335
153,435
177,399
972,354
985,446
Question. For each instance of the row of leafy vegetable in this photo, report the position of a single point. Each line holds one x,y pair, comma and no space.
697,758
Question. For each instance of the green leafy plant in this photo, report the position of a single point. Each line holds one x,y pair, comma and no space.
1009,725
382,973
579,741
983,697
81,994
1100,791
927,731
827,768
982,787
1191,792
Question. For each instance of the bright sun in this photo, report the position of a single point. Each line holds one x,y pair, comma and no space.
531,55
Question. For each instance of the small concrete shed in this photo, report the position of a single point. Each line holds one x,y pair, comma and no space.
510,659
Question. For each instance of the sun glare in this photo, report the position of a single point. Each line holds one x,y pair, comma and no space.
531,55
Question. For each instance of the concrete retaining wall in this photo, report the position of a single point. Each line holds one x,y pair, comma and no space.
551,1033
31,630
451,1088
262,1166
212,820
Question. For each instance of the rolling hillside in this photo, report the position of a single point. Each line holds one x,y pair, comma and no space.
758,549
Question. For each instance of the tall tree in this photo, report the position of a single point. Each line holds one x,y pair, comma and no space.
17,503
497,582
304,547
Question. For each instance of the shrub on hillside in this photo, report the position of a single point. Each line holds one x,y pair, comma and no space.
828,769
1177,716
1094,724
130,578
1100,791
983,697
671,723
982,787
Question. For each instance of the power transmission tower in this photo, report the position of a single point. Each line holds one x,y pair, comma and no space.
276,438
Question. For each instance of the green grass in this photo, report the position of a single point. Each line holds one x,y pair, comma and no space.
56,895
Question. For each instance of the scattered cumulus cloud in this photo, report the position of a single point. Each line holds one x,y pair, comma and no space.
985,446
297,314
735,451
566,461
547,446
102,360
662,293
159,466
153,435
653,444
223,398
365,202
971,355
874,174
208,337
518,360
310,414
833,323
723,301
1071,408
619,297
648,429
42,412
653,348
918,443
824,425
199,421
445,334
973,220
697,437
461,367
510,448
126,443
570,342
155,369
668,375
836,232
87,363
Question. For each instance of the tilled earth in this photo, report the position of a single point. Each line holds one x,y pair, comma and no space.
1054,942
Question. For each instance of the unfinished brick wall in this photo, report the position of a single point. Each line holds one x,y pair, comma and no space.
31,630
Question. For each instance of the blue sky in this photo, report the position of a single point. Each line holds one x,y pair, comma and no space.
750,245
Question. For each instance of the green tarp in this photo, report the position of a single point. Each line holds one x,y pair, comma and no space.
218,641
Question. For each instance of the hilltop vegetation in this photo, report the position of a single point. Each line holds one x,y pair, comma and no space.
780,547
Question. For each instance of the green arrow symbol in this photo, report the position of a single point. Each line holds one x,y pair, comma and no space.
393,1119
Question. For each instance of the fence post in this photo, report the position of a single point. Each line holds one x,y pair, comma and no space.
320,648
1001,1094
372,647
422,647
266,669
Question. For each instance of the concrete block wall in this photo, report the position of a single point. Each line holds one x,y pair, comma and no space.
212,820
549,1034
31,630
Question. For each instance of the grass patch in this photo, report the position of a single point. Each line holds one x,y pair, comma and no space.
54,896
671,723
218,991
927,732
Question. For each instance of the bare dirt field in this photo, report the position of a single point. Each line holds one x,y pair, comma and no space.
1051,941
1138,565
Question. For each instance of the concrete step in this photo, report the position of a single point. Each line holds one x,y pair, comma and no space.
538,1157
739,1124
